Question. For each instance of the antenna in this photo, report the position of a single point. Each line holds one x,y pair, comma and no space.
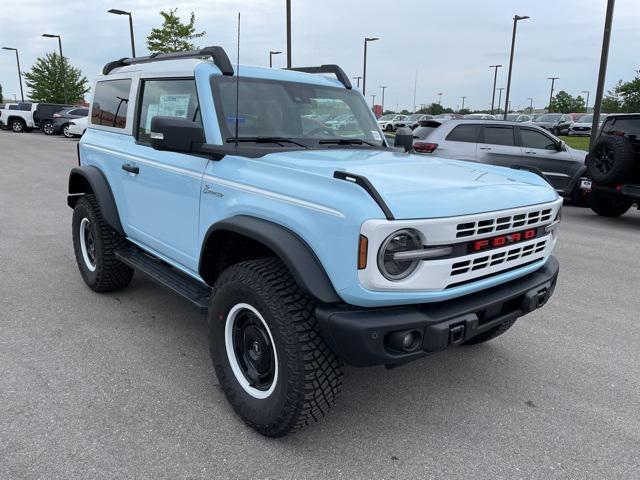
238,83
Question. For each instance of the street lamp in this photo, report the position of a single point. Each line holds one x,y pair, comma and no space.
516,18
288,33
373,101
530,104
586,103
383,89
364,70
19,71
115,11
553,81
358,78
463,99
440,98
500,97
64,81
495,78
271,54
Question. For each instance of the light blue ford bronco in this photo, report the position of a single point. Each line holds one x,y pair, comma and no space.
271,200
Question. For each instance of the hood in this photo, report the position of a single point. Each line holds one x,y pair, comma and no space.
414,186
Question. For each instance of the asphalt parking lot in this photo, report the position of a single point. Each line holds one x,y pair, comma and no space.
121,385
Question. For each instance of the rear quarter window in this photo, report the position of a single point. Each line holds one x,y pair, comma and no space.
629,127
464,133
110,103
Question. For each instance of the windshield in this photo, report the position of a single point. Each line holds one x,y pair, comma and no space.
303,112
413,117
585,119
387,117
549,117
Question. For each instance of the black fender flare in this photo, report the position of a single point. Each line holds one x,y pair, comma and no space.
295,253
90,179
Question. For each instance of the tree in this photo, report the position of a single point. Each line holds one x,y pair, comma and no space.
630,94
173,36
45,80
1,97
565,103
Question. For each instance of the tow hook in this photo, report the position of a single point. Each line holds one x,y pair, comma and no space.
456,334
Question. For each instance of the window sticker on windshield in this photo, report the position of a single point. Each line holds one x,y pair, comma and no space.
231,119
174,105
152,111
376,135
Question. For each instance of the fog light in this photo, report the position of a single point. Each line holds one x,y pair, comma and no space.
404,340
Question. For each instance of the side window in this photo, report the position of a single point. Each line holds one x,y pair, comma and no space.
465,133
629,127
495,135
535,139
110,102
82,112
169,98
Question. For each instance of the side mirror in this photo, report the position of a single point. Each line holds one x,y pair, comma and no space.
561,146
404,139
175,134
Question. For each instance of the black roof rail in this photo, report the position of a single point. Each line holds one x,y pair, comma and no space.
218,55
335,69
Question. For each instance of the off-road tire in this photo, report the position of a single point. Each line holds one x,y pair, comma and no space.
491,334
608,206
612,160
48,128
309,374
17,125
109,274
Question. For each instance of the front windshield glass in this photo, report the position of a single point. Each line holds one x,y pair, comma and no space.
549,117
304,112
585,119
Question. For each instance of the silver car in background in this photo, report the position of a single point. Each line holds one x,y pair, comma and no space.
506,144
583,125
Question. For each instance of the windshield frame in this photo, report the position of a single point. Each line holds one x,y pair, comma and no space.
227,132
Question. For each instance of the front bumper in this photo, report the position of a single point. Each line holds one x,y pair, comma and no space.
361,336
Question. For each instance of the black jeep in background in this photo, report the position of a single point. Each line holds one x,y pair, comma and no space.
43,116
613,166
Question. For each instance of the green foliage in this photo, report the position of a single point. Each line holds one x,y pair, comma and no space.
173,36
565,103
46,84
630,94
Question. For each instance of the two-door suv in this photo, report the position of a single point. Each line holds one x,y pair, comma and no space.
308,246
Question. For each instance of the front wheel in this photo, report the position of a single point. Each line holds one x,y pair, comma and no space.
66,132
270,359
608,206
17,125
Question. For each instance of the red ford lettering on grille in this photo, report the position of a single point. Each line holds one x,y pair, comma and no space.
502,240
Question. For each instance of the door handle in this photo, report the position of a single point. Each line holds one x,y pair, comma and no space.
530,152
127,167
484,148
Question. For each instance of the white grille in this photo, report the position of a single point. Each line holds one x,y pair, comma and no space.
498,224
494,259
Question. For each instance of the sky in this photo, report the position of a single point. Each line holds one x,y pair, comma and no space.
450,44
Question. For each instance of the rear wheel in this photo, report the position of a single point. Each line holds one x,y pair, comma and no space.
66,132
608,206
47,128
17,125
95,244
270,359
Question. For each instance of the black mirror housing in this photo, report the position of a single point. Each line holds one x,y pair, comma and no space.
404,139
175,134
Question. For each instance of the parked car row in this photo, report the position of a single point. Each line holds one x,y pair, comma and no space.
51,118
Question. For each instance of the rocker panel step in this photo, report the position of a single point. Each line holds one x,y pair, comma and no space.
160,272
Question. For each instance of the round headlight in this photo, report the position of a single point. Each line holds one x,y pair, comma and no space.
400,241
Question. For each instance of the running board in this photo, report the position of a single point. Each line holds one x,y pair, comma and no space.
160,272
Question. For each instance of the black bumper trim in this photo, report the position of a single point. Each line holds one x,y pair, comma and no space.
357,335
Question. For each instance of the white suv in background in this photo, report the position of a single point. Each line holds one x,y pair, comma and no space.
389,123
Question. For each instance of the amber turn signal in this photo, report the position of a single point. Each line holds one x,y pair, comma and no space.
363,246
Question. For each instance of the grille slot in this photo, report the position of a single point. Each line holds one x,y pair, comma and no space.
491,225
479,263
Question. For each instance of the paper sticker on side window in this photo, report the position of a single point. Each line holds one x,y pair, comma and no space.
174,105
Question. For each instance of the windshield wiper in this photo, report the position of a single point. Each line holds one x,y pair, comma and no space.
347,141
266,140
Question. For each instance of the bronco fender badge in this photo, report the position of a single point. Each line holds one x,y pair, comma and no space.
207,189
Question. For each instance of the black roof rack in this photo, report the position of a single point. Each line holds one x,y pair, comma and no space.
218,55
335,69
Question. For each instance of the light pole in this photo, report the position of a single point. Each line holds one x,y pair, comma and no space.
115,11
288,33
19,71
373,101
358,78
364,70
500,97
530,104
495,78
553,81
516,18
64,81
383,88
586,103
271,54
604,57
463,99
440,98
